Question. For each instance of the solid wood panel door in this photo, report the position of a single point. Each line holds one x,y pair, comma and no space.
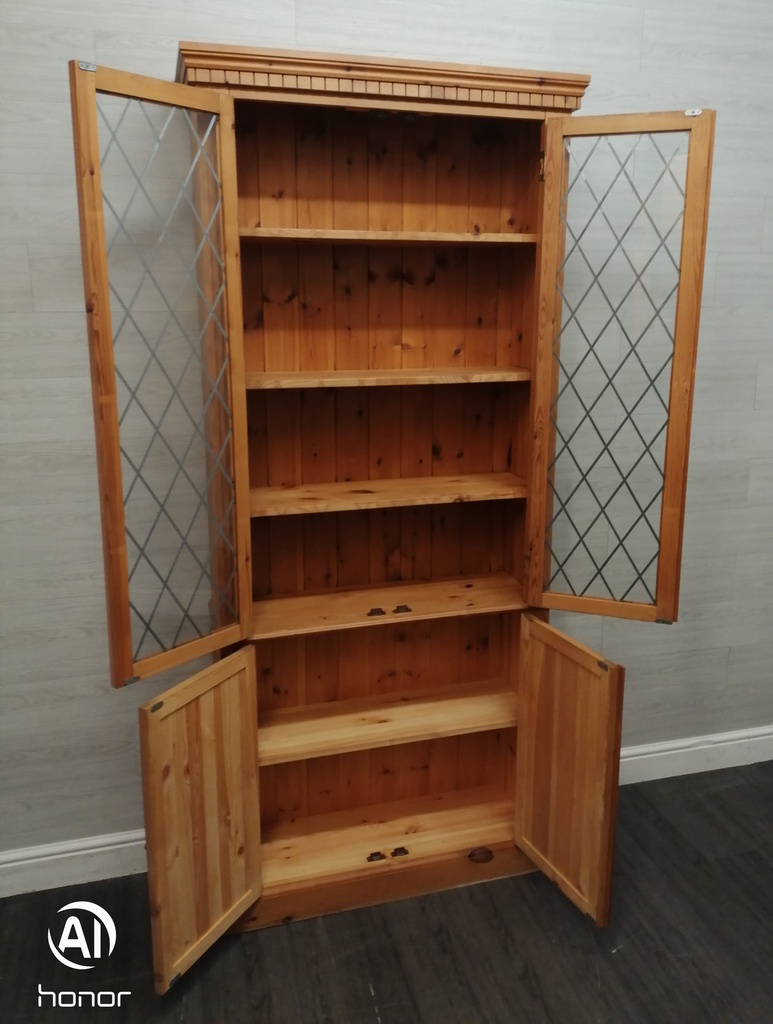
625,207
156,175
570,706
202,816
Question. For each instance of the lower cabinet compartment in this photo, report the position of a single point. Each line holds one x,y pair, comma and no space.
378,837
353,783
385,851
387,762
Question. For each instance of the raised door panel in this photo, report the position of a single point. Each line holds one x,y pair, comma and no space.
570,704
155,168
621,268
202,816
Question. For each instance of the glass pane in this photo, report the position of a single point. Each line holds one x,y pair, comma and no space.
162,206
622,215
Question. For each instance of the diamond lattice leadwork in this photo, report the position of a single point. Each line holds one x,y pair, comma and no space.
622,213
162,208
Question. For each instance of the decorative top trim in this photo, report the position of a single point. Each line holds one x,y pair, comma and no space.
297,76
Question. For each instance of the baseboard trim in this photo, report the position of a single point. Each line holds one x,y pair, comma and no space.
53,865
123,853
695,754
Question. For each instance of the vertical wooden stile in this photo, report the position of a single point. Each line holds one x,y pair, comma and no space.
692,258
549,251
105,401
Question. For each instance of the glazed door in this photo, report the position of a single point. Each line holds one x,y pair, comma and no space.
155,167
202,816
570,706
621,267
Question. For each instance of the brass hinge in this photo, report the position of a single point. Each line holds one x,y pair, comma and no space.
542,166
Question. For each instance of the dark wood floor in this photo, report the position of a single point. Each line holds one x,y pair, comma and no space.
691,939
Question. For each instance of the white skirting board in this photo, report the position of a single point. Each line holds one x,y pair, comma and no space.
80,860
698,754
123,853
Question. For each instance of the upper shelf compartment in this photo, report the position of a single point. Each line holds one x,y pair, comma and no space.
323,174
325,308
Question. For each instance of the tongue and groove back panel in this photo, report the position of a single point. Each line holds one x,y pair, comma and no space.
315,168
393,659
324,308
360,307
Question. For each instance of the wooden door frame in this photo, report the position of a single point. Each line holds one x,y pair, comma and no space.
700,125
200,789
86,81
586,876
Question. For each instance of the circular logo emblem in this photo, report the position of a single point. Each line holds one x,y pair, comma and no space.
89,936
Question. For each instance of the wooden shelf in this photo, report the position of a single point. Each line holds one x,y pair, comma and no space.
338,845
365,494
256,381
351,609
333,236
339,727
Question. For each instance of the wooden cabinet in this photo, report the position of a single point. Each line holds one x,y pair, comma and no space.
388,359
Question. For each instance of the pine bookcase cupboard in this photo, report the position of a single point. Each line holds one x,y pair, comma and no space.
389,359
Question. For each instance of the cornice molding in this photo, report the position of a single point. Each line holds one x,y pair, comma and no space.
304,77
